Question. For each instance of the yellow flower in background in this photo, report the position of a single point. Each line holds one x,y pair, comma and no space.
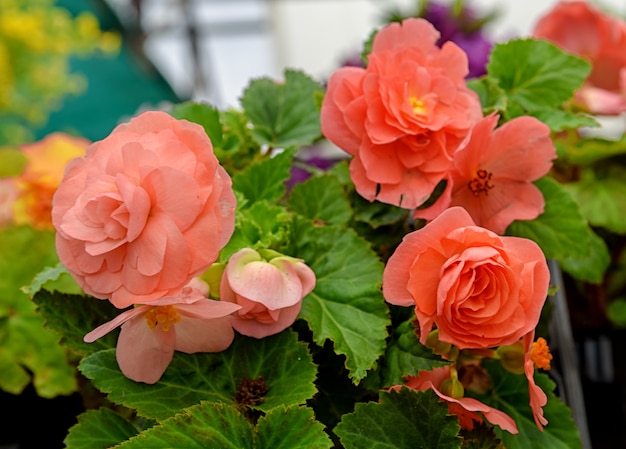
36,185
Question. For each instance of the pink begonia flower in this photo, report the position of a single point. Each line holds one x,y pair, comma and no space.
270,292
538,397
581,28
465,408
150,333
403,116
480,289
147,209
493,172
46,161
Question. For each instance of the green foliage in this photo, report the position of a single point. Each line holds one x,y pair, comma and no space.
283,363
265,180
100,429
589,150
321,199
12,162
593,266
283,114
420,420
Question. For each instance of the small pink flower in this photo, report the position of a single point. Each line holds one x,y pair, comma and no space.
150,333
465,408
147,209
538,398
493,172
269,292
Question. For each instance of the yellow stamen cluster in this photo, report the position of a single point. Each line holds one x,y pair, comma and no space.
166,316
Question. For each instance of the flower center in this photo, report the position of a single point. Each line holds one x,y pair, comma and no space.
481,182
163,315
418,106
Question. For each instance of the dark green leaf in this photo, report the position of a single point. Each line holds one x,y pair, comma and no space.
202,114
321,199
593,266
265,180
99,429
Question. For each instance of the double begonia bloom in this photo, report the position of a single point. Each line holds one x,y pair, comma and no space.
269,292
147,209
35,186
466,409
479,289
585,30
150,333
403,116
493,172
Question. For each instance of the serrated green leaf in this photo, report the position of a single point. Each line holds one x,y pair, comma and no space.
420,420
291,428
48,276
511,396
560,120
561,231
346,306
265,180
283,114
492,96
593,266
12,162
602,197
283,362
321,199
535,74
99,429
203,114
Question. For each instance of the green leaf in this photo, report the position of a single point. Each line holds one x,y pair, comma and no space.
560,120
403,419
601,196
48,276
99,429
12,162
283,114
321,199
561,231
589,150
593,266
220,426
492,96
29,352
346,306
265,180
535,74
511,396
202,114
282,362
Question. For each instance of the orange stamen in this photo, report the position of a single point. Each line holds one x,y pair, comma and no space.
540,354
166,316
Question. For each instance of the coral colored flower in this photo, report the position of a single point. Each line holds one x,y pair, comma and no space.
493,172
147,209
538,398
402,117
481,290
269,292
150,333
583,29
44,170
465,408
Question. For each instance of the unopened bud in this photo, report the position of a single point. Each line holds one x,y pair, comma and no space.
512,357
452,387
438,347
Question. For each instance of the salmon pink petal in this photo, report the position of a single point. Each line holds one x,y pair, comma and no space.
538,398
107,327
418,34
203,335
494,416
143,354
256,329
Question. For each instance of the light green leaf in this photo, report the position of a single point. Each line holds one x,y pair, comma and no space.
346,306
99,429
321,199
403,419
560,120
535,74
55,278
265,180
602,197
283,363
561,231
593,266
492,96
586,151
283,114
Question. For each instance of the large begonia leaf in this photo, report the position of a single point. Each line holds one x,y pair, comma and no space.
99,429
265,180
510,395
28,352
592,267
403,419
322,199
535,75
283,114
602,197
280,364
561,230
346,306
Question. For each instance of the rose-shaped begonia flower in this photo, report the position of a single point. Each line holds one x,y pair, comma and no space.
42,174
147,209
585,30
150,333
493,173
465,408
270,292
481,290
402,117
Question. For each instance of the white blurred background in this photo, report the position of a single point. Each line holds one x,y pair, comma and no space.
243,39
